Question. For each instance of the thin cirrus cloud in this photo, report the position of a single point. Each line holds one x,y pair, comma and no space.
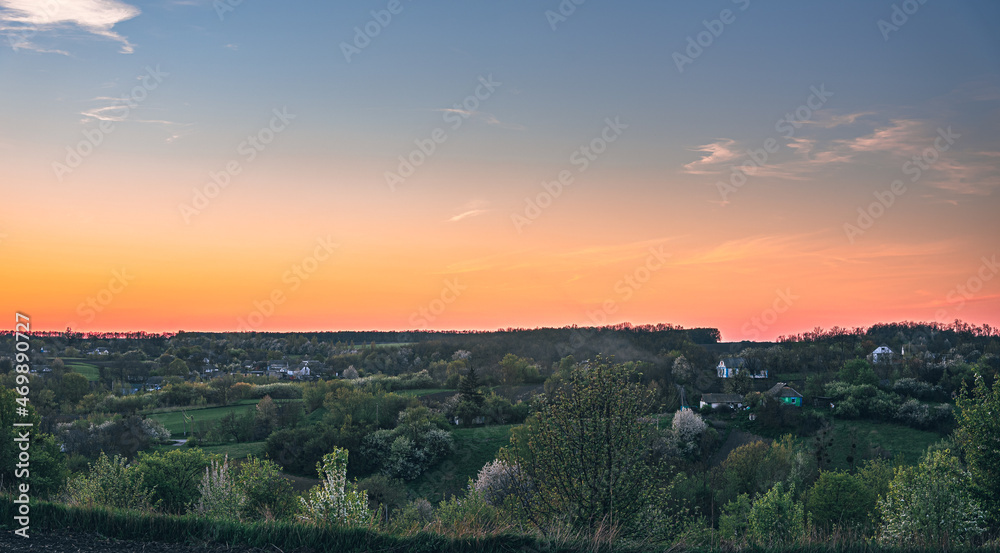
25,21
487,117
831,140
717,153
119,110
469,210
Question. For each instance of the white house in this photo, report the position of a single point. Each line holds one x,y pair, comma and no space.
882,353
729,367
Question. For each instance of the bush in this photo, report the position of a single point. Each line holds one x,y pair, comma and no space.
221,496
931,504
176,475
734,520
110,482
688,425
335,501
499,480
468,516
840,499
277,391
407,451
385,495
269,495
775,518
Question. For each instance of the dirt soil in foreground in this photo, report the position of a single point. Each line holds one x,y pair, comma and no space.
48,541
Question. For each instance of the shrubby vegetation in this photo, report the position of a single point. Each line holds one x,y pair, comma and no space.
599,451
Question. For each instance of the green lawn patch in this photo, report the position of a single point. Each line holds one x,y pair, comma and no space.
422,392
474,447
174,421
86,369
909,443
237,451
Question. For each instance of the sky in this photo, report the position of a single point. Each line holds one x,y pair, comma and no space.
762,168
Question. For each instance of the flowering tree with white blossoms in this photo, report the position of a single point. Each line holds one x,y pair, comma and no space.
221,496
335,501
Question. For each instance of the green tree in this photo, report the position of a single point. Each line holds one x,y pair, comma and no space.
839,499
73,387
776,518
978,435
48,466
335,500
111,482
741,384
176,475
585,449
516,370
177,367
269,494
858,372
468,388
931,504
735,516
754,468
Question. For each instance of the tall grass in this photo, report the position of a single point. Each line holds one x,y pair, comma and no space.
131,525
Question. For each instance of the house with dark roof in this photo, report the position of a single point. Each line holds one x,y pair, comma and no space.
786,394
720,400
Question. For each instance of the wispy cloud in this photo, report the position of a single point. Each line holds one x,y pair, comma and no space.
21,21
119,110
483,116
471,209
899,136
717,153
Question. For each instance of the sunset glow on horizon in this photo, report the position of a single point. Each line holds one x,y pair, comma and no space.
172,165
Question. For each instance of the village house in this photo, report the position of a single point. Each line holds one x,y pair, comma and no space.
881,354
786,394
721,400
730,367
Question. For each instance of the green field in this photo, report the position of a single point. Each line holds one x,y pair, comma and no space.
423,392
474,447
237,451
909,443
173,420
86,369
234,450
